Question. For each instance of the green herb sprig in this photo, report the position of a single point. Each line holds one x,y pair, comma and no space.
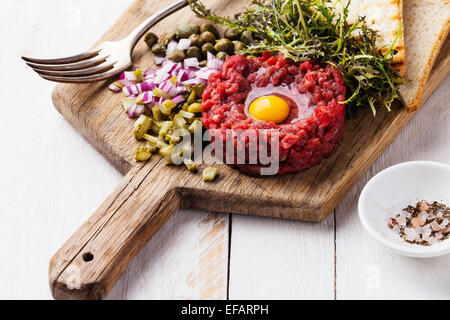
316,29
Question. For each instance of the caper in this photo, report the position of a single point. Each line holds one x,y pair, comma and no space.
246,37
194,52
159,50
196,40
150,39
209,27
176,56
232,34
238,46
203,63
222,55
208,47
186,30
208,36
169,37
224,45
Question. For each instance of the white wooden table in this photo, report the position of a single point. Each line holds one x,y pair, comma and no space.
52,180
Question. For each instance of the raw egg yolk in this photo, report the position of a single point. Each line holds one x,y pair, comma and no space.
269,108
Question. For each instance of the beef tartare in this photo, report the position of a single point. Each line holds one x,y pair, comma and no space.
312,119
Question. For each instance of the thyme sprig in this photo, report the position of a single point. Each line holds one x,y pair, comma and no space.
316,29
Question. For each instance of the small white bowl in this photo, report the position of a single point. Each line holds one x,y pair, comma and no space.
395,188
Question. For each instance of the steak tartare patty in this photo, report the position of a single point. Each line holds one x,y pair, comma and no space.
302,143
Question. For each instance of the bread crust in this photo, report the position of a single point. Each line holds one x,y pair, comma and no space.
414,103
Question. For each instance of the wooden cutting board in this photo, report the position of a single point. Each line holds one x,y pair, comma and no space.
93,259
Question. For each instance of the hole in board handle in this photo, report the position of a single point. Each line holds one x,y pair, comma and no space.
88,257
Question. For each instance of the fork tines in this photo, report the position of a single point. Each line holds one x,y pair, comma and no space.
86,67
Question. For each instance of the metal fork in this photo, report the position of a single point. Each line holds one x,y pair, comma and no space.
103,62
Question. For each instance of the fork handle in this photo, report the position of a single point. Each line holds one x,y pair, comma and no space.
142,29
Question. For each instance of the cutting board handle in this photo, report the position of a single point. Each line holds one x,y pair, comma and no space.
92,260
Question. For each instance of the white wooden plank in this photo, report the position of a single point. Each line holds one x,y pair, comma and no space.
186,259
276,259
368,270
53,180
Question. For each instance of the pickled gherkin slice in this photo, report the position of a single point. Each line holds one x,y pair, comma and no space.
196,126
127,103
151,139
173,139
165,127
161,94
195,108
141,126
186,115
155,129
143,154
190,165
192,98
179,121
157,114
161,144
139,75
210,174
198,89
140,98
166,151
167,106
151,147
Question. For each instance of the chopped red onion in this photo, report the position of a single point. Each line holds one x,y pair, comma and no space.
183,75
205,73
178,99
171,46
131,111
158,60
138,111
184,44
191,62
193,82
149,98
176,68
213,62
180,90
113,87
139,88
130,76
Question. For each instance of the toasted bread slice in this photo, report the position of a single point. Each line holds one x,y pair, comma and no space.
427,24
385,17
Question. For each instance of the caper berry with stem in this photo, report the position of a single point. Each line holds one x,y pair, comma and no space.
150,39
209,27
186,30
224,45
194,52
159,49
208,36
208,47
176,56
232,34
